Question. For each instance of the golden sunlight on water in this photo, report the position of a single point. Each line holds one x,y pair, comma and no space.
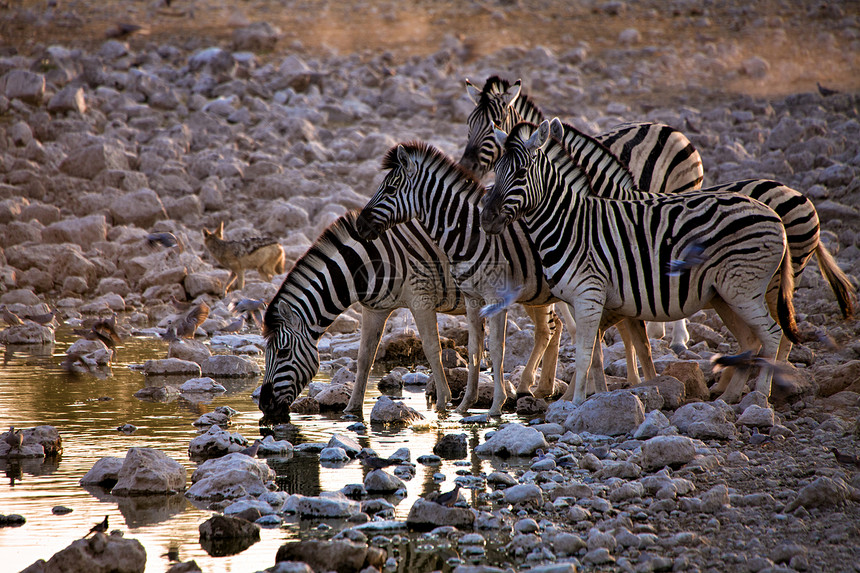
35,390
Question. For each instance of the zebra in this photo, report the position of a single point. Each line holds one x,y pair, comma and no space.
660,158
400,268
423,183
577,234
609,178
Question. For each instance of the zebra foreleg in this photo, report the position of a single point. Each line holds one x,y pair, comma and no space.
549,364
372,324
540,315
428,329
596,381
498,322
563,310
633,333
476,347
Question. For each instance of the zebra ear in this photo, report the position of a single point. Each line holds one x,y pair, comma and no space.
556,129
405,160
286,313
513,93
501,136
538,138
473,92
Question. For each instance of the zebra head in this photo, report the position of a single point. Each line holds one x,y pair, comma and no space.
291,359
514,194
493,106
392,203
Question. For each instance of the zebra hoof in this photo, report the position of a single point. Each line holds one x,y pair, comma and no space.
524,394
678,348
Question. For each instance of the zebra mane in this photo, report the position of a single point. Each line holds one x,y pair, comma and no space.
496,85
434,155
341,230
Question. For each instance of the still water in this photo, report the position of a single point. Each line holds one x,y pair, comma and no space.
86,410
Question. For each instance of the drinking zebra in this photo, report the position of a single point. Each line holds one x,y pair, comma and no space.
400,268
660,158
609,258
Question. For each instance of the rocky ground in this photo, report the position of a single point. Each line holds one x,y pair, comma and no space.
275,122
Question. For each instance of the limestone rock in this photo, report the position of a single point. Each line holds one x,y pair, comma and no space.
333,555
97,553
663,451
149,471
608,413
388,411
104,473
425,515
513,440
229,366
705,420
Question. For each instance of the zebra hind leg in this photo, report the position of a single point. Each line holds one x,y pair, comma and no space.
476,346
497,356
549,364
680,336
541,317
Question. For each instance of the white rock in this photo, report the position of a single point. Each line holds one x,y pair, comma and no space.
104,472
513,440
203,384
388,411
608,413
663,451
149,471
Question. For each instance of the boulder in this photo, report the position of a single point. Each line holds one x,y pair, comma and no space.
141,208
189,350
83,231
70,98
513,440
671,451
222,535
690,373
317,506
451,446
334,397
380,481
148,471
388,411
673,391
100,552
425,515
757,417
334,555
23,85
89,161
27,333
104,473
824,491
655,422
229,477
203,384
349,445
607,413
46,436
524,493
215,443
705,420
171,367
229,366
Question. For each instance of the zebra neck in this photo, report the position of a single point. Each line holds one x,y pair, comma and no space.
608,176
523,109
451,217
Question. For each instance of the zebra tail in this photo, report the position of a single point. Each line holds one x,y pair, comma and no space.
842,287
785,301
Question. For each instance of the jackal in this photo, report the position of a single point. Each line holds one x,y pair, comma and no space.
262,254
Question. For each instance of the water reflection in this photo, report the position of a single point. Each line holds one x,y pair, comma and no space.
87,410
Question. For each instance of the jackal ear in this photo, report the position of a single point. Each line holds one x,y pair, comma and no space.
406,161
500,135
473,92
221,229
556,129
513,93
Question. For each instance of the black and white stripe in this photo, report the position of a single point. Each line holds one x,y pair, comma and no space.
660,158
424,184
799,217
609,258
401,268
